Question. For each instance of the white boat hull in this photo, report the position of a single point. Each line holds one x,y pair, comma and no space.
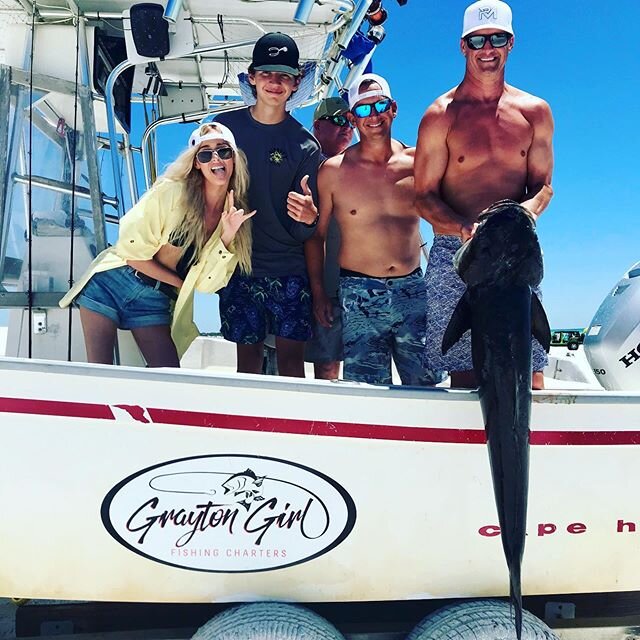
357,493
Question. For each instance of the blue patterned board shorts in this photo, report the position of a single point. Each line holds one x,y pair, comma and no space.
326,343
384,318
251,307
444,290
125,299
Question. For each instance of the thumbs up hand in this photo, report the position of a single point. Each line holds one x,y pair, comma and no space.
300,207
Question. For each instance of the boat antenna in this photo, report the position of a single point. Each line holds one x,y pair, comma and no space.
227,67
72,145
29,199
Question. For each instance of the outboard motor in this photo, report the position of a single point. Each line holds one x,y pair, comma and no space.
612,343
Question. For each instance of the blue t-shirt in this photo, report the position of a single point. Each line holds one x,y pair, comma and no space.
279,156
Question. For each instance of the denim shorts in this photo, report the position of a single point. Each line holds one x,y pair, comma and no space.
326,343
122,297
251,307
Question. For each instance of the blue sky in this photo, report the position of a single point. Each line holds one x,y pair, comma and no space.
580,56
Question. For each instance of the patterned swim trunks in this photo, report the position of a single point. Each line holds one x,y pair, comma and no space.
444,290
384,318
251,307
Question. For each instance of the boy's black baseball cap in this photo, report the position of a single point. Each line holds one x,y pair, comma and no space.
276,52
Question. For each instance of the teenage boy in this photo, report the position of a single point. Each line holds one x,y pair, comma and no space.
283,160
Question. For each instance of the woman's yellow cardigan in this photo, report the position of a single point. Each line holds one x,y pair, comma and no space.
143,230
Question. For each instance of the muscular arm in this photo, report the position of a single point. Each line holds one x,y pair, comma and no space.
432,158
314,248
540,161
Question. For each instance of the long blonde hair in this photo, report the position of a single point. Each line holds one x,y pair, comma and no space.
191,230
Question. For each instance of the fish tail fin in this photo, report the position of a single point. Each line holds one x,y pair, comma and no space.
516,599
539,323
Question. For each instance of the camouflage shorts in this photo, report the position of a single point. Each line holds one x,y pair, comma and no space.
444,290
384,318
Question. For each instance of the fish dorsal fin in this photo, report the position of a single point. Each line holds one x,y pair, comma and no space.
460,322
539,323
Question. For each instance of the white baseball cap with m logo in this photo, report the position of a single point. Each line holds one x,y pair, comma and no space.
487,14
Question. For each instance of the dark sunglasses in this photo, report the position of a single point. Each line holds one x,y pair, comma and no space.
497,40
206,155
365,110
339,121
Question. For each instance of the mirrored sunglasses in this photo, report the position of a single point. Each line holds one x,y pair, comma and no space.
365,110
497,40
206,155
339,121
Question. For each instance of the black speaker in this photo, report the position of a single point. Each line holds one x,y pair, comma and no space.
149,29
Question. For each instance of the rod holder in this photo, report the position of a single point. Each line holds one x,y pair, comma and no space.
303,11
172,11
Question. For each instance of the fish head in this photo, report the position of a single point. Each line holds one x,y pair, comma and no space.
243,487
503,250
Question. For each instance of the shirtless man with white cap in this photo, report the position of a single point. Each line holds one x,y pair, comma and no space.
370,191
481,142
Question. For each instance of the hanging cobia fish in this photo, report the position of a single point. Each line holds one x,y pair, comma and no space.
501,265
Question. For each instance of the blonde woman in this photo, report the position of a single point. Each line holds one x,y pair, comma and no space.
188,232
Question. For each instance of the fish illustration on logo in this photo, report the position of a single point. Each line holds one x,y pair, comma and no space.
246,485
239,488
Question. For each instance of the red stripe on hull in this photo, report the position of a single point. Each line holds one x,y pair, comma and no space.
312,427
317,428
580,438
56,408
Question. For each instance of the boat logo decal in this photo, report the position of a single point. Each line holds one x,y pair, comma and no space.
229,513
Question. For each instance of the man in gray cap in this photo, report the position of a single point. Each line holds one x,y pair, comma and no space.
334,133
480,142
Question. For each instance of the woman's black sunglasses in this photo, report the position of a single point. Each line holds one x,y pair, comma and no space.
206,155
497,40
339,121
365,110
